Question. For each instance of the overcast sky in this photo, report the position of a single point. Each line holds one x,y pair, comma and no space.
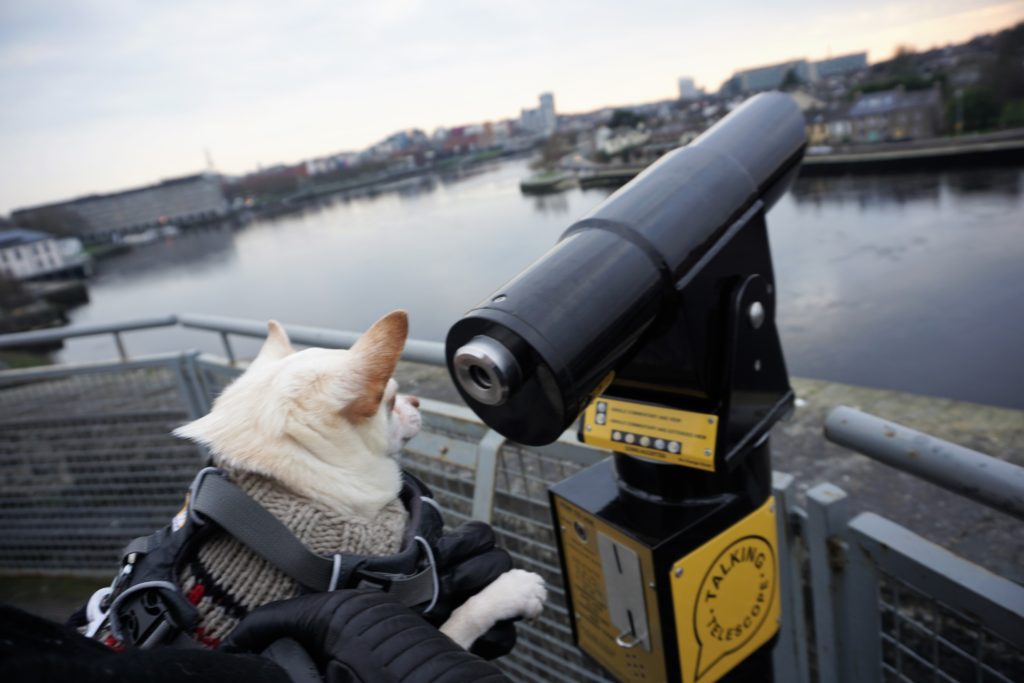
99,96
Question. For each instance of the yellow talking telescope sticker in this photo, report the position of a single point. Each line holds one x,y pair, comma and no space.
726,597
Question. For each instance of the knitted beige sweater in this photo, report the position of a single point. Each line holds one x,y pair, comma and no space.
226,580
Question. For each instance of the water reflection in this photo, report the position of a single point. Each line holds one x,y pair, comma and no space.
465,172
1003,182
417,186
551,203
196,251
866,191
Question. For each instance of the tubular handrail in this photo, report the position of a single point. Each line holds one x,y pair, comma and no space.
54,334
987,480
416,350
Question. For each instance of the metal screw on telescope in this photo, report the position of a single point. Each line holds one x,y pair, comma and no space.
756,314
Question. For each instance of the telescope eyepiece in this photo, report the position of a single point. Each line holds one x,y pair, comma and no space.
486,370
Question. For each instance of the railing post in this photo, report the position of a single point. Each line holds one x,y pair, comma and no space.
198,396
790,657
191,387
862,619
227,348
486,474
120,346
186,387
826,517
847,625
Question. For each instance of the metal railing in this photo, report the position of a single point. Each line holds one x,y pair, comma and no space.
59,334
86,462
987,480
416,350
891,605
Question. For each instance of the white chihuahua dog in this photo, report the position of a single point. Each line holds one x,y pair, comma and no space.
312,436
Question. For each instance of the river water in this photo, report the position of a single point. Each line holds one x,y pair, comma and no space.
908,282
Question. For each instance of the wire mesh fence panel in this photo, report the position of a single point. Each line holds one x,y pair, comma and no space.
924,639
112,391
523,524
87,463
521,520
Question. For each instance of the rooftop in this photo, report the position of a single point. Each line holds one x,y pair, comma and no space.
12,237
145,188
887,101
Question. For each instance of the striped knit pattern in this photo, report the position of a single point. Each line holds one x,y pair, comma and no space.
226,580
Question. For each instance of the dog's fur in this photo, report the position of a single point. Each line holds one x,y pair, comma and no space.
325,425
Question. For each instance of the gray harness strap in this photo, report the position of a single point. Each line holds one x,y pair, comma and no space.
217,499
411,589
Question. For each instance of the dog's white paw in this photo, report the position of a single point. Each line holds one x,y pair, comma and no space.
516,593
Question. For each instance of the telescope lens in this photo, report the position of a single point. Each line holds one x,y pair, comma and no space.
486,370
480,378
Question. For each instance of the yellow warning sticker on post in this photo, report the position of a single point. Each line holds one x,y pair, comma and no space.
725,595
652,432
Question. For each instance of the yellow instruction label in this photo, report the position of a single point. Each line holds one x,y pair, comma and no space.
662,434
725,595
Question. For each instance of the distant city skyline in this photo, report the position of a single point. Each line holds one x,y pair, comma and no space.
101,96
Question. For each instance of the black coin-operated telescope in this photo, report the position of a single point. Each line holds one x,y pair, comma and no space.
653,321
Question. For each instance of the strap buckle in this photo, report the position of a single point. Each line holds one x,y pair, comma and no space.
145,622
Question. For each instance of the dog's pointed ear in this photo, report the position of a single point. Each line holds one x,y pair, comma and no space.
276,347
376,356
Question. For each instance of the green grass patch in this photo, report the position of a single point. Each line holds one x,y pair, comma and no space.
22,359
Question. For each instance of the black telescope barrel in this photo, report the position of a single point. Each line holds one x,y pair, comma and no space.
692,193
527,358
771,139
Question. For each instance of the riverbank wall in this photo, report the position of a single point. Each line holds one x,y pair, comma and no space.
1004,148
895,159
